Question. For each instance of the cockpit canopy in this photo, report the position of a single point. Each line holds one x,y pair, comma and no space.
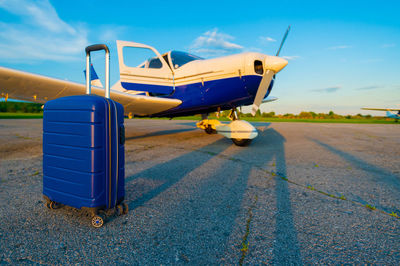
177,58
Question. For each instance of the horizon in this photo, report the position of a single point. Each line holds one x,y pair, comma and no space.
247,112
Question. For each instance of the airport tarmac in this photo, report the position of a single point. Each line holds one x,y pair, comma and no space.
299,194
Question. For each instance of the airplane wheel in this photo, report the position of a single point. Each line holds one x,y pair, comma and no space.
210,130
241,142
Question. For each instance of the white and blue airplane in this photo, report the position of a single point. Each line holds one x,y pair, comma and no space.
170,85
389,112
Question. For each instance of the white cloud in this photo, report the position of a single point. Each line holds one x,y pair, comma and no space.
41,35
372,60
267,39
329,89
110,33
388,45
373,87
291,57
252,49
340,47
213,43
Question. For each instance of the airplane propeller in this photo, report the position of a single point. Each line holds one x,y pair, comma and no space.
273,64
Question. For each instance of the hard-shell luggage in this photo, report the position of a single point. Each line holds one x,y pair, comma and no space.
83,151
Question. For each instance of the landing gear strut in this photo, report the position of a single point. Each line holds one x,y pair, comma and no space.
239,131
233,114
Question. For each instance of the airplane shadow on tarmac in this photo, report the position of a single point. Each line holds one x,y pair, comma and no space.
286,249
161,133
380,175
210,204
172,171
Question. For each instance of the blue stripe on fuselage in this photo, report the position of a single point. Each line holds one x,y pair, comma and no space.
147,87
196,98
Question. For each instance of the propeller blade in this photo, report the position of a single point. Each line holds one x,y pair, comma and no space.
262,90
283,41
274,64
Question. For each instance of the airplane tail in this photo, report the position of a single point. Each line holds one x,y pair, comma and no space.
94,79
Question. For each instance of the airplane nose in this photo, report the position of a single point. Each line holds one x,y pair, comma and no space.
274,63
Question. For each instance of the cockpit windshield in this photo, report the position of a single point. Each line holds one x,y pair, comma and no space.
178,59
181,58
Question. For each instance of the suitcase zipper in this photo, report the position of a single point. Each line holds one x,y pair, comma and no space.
117,154
109,154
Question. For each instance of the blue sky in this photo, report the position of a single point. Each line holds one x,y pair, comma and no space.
343,55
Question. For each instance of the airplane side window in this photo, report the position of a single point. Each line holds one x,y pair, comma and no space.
141,58
258,67
155,63
165,56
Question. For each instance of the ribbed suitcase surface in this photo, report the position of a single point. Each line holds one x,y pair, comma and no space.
83,151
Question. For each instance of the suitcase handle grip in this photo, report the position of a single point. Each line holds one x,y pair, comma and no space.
92,48
96,47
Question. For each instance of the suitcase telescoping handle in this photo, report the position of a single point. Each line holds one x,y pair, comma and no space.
92,48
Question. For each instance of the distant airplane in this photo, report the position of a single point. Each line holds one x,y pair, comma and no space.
389,112
170,85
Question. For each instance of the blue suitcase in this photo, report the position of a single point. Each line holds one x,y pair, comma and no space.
83,152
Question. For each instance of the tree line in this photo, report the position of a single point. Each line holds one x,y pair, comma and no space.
26,107
301,115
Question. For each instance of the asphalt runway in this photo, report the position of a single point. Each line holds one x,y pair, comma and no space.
299,194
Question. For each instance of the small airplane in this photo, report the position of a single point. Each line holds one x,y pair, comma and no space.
389,112
170,85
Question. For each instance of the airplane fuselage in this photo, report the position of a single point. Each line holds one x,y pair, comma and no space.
210,96
203,86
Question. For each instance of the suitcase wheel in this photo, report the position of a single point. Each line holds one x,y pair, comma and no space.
120,210
52,205
98,220
125,208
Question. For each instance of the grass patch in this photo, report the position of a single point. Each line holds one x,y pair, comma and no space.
22,137
341,197
295,120
21,115
193,117
339,120
372,208
245,242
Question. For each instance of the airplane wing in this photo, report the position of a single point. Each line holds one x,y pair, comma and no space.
381,109
21,85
